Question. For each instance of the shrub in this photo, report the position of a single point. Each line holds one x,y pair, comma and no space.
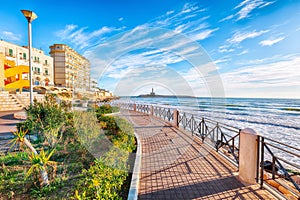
105,179
47,119
106,109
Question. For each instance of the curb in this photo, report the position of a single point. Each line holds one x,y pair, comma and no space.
134,185
112,114
20,115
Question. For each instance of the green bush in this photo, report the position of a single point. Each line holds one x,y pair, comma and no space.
75,136
105,179
13,159
47,119
106,109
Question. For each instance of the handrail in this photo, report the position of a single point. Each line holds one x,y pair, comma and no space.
226,137
279,165
222,136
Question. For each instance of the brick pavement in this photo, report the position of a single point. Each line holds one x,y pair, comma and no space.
176,165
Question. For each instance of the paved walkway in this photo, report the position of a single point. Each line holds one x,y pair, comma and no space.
177,166
8,124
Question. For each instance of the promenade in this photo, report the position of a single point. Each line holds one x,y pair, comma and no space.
176,165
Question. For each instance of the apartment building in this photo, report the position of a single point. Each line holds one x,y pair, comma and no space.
70,68
14,67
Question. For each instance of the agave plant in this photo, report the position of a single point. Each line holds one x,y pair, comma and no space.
39,163
21,140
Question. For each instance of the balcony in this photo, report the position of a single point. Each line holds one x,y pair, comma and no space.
10,55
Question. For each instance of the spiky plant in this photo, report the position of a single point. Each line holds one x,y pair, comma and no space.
39,163
21,140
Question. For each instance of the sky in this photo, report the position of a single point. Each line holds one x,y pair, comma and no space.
216,48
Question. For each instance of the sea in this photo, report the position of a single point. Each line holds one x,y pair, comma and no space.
277,119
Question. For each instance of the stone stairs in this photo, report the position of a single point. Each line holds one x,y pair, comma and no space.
24,97
9,102
17,101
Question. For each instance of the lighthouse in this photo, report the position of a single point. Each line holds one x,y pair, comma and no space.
152,93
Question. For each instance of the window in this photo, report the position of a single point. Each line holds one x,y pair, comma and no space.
24,56
10,52
38,69
46,62
46,72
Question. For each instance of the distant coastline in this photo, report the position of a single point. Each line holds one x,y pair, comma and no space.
164,96
153,95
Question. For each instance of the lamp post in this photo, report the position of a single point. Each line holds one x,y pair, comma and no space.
30,16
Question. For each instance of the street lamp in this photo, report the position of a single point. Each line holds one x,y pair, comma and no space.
30,16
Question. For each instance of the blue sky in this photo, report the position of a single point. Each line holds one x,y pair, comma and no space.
232,48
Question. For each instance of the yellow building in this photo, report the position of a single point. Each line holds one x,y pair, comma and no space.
71,69
14,67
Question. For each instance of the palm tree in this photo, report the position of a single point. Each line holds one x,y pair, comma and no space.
39,161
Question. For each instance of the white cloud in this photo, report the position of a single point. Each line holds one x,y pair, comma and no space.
222,60
120,19
145,49
203,34
66,31
271,42
247,6
187,8
267,60
80,38
225,49
239,37
265,76
7,35
170,12
227,18
243,52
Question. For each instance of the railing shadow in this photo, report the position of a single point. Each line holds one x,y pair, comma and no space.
211,188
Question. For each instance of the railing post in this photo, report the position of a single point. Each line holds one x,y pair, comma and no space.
175,118
134,107
262,154
248,156
151,110
203,129
257,162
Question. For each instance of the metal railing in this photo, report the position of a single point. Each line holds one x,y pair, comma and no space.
280,168
226,139
221,136
163,113
143,108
